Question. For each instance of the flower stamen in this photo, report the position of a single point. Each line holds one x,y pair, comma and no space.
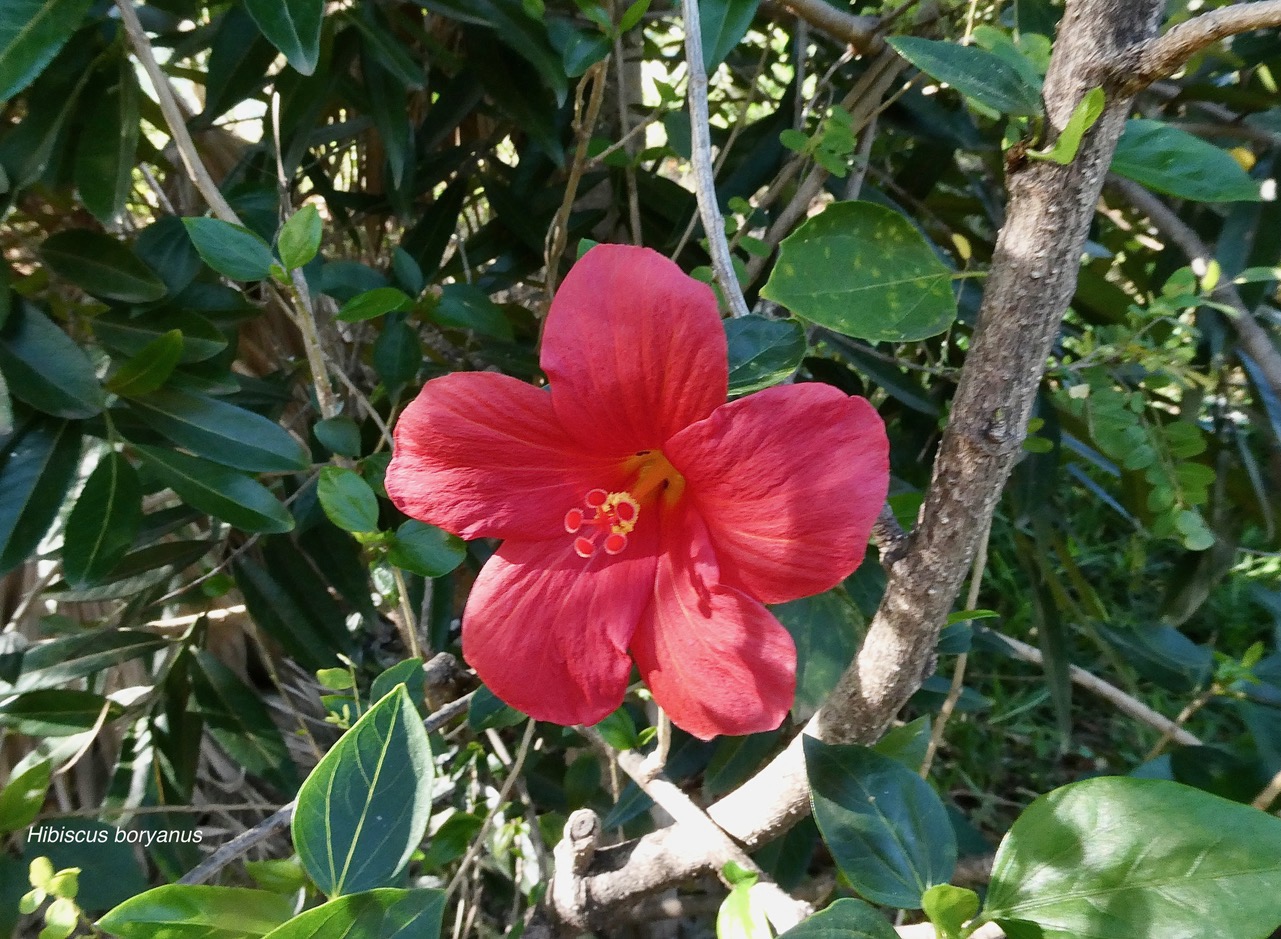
613,517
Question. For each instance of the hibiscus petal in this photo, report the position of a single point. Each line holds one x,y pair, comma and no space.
548,631
716,660
483,455
790,481
634,350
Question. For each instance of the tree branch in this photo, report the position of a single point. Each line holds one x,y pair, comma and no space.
860,32
1140,65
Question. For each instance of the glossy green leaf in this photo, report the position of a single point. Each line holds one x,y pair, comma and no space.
425,549
104,521
23,796
408,673
1087,111
221,432
198,911
844,919
826,629
36,469
222,492
386,913
299,238
293,27
863,270
376,302
762,352
231,250
101,265
886,828
723,24
974,72
44,367
55,712
347,499
108,146
57,661
1139,859
1173,161
135,336
31,33
364,809
339,435
463,306
239,721
150,368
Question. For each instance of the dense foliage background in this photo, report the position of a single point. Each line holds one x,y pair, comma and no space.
203,582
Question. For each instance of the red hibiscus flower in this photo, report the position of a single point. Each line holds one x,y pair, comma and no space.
643,518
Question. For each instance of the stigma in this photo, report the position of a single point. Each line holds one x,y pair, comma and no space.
604,523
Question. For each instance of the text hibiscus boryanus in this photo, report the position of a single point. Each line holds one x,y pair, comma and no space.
643,518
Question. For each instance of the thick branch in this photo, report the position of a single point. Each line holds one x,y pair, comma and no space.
1140,65
860,32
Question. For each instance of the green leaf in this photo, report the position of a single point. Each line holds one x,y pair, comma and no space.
231,250
408,673
844,919
863,270
293,27
377,914
741,915
485,711
239,57
397,354
886,828
44,367
376,302
340,435
198,911
1083,117
425,549
104,522
364,809
57,661
347,499
61,919
102,266
762,352
974,72
31,33
55,712
299,238
1173,161
220,431
218,490
279,876
201,340
239,721
1139,859
724,23
108,147
463,306
36,469
950,908
22,798
826,629
150,368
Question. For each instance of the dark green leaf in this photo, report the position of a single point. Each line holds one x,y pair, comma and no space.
55,712
724,23
220,431
463,306
885,826
1173,161
408,673
347,499
486,711
907,743
974,72
231,250
826,629
293,27
104,521
299,238
108,147
218,490
863,270
31,33
339,435
425,549
58,661
377,914
239,721
239,60
44,367
36,469
373,303
844,919
22,798
150,368
198,911
201,340
397,354
1139,859
364,809
101,265
762,352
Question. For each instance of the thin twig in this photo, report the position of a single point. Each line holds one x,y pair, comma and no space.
701,163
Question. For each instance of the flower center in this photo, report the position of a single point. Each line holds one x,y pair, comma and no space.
607,518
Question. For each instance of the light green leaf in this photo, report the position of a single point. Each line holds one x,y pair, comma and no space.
949,908
293,27
364,809
425,549
299,238
231,250
974,72
198,911
376,914
1173,161
1083,117
150,368
376,302
23,796
347,499
863,270
222,492
742,915
104,521
102,266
